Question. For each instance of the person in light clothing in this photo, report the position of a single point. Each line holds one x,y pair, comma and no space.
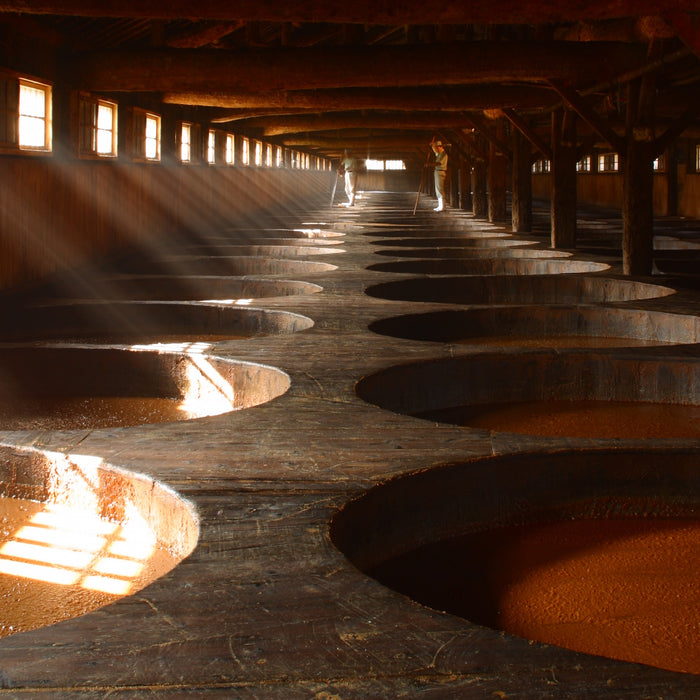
348,164
440,172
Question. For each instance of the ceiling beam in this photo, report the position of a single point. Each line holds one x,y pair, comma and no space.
597,122
278,126
528,132
410,99
436,12
345,67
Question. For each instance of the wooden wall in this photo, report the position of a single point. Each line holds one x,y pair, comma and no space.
605,190
57,214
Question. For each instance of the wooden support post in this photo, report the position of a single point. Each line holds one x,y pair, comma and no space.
521,213
479,188
637,189
671,160
497,176
563,179
637,207
465,186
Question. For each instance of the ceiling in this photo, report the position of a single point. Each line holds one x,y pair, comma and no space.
383,76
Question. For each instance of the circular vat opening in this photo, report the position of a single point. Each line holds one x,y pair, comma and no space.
514,289
266,244
222,265
594,551
555,393
490,266
544,326
304,232
67,388
470,253
146,322
78,534
230,290
262,249
503,241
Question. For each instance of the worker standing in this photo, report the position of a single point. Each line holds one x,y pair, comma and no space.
440,172
348,164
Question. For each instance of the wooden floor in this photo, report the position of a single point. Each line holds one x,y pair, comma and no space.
266,606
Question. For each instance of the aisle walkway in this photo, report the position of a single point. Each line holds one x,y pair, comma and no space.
266,606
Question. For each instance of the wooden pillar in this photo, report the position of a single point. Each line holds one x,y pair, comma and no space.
521,213
479,189
638,182
637,206
564,197
497,177
671,181
465,186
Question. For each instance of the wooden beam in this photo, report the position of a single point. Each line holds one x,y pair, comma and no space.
437,12
688,27
594,120
481,126
198,37
411,99
524,128
678,126
470,140
268,70
278,126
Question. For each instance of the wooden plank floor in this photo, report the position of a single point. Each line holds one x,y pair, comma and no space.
266,607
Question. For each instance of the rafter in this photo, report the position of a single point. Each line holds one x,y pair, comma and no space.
530,134
480,125
437,12
345,67
594,120
410,99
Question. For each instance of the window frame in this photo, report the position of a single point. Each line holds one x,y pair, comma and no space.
230,149
139,138
94,102
46,118
211,147
10,88
609,162
185,144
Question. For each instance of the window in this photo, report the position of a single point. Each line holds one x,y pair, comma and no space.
97,125
584,165
608,162
34,116
229,156
211,147
279,162
659,164
186,143
268,155
146,135
374,164
541,166
258,153
152,140
245,152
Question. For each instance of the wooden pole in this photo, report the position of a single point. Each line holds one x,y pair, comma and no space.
564,196
521,214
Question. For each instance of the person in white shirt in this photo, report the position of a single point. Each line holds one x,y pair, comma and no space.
348,164
440,172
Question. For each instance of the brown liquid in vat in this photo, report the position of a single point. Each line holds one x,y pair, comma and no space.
558,341
595,419
56,563
88,412
625,589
